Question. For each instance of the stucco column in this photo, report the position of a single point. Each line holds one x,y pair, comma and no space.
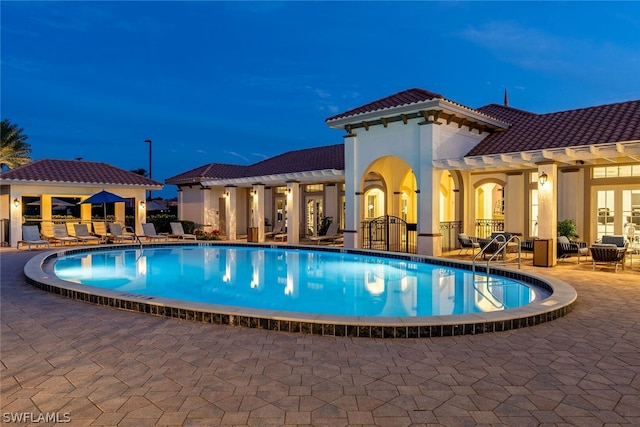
547,205
352,200
514,199
257,209
293,213
231,228
15,219
429,236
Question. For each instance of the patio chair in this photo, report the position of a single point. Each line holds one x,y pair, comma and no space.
178,232
150,232
618,240
83,235
467,243
120,234
608,254
31,237
100,230
276,230
566,248
61,235
331,234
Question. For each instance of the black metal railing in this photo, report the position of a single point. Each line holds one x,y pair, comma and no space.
389,233
484,227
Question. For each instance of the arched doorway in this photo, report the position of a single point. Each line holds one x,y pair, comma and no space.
388,206
489,207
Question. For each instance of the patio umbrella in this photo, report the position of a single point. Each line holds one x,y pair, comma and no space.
152,205
102,198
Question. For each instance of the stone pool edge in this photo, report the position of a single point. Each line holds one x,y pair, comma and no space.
560,303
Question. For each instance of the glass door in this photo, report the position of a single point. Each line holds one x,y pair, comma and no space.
313,214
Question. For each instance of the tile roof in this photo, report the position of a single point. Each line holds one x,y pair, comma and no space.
410,96
76,171
308,159
585,126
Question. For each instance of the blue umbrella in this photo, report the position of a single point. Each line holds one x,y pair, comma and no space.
102,198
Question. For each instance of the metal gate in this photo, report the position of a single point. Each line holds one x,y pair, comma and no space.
389,233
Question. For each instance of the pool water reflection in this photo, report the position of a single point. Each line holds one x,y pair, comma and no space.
295,280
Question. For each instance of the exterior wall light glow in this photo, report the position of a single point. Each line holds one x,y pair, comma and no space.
142,204
16,202
226,194
542,179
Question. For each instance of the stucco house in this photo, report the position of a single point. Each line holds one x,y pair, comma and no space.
431,168
49,181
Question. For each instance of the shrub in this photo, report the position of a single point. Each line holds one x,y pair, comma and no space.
567,228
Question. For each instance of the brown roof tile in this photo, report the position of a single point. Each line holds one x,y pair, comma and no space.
76,171
585,126
410,96
308,159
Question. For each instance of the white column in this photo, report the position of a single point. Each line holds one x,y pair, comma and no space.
257,209
15,219
514,199
548,206
352,200
231,212
429,236
293,213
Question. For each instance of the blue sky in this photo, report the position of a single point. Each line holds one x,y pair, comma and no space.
236,82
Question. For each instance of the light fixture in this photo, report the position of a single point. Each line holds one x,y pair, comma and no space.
288,190
142,204
16,202
253,192
542,179
226,194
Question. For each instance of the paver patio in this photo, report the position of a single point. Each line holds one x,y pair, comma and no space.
106,367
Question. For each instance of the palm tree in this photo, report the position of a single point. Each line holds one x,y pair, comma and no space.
140,171
14,150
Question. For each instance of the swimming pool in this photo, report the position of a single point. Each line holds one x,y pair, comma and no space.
330,291
324,283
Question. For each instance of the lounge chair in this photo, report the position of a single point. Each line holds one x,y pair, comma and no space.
566,248
121,234
83,235
618,240
31,237
276,230
61,235
608,254
331,234
100,230
150,232
178,232
467,243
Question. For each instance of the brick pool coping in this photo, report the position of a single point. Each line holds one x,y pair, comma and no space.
39,273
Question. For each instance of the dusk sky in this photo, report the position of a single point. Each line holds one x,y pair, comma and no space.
237,82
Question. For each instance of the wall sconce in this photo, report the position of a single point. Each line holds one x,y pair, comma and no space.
16,202
142,204
253,193
542,179
288,191
226,194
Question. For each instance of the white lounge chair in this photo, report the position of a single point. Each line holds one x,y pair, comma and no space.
120,233
83,235
276,230
100,230
178,232
150,232
61,235
31,237
331,234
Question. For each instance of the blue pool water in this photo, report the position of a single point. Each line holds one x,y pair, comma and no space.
294,280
